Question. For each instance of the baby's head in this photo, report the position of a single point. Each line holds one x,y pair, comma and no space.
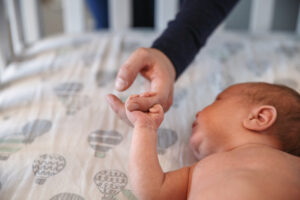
257,113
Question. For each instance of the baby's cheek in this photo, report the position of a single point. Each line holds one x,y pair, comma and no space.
192,142
194,147
195,140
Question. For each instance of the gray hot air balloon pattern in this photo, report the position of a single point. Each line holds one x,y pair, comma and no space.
67,196
67,92
233,47
289,51
76,103
222,79
179,96
12,142
68,88
110,183
35,128
225,51
47,165
6,117
102,141
258,66
165,139
128,194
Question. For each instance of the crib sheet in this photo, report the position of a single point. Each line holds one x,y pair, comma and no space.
60,140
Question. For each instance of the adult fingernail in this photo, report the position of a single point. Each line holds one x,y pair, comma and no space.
120,84
133,106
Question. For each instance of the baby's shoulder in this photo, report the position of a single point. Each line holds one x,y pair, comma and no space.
249,158
249,171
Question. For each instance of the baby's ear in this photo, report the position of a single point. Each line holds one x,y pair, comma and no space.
260,118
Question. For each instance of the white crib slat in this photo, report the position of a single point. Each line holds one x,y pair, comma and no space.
15,27
261,15
5,47
31,20
165,10
119,14
74,16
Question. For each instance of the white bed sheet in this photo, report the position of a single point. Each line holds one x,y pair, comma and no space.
60,140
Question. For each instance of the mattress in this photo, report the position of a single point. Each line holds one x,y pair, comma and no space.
59,139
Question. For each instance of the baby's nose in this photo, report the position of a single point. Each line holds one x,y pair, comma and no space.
197,114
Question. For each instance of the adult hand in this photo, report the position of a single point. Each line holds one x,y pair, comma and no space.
154,66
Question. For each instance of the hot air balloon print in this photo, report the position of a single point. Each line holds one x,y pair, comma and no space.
67,196
165,139
35,128
12,141
102,141
68,94
110,182
67,88
47,165
179,95
76,103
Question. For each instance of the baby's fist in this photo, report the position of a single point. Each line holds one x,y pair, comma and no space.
151,119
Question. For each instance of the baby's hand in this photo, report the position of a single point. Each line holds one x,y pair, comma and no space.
151,119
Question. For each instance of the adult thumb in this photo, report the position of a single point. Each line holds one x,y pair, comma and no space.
130,69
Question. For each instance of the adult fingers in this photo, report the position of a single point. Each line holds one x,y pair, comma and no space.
142,102
130,69
118,107
160,93
164,91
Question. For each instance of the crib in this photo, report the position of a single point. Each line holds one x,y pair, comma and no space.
59,139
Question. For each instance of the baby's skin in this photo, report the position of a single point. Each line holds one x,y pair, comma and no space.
235,161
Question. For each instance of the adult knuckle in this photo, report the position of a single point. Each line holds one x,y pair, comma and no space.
144,52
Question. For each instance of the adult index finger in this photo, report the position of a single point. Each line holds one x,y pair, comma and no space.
130,69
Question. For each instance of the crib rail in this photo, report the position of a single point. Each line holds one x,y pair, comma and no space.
261,16
24,25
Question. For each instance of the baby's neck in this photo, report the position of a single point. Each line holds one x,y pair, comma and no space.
254,145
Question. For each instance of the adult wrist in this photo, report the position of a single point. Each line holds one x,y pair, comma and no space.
168,61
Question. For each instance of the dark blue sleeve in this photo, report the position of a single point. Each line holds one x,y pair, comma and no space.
194,23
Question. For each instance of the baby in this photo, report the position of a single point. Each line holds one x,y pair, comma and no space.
247,142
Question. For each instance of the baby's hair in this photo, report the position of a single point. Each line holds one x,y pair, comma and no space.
287,103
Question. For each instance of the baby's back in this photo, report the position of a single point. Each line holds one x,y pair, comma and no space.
253,172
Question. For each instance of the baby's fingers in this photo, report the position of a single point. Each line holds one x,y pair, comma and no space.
141,102
156,113
157,108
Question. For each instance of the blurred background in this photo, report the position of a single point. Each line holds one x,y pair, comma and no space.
284,15
24,22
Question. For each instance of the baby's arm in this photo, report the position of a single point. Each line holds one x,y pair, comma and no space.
147,178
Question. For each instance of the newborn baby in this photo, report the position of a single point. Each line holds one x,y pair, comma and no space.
247,142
